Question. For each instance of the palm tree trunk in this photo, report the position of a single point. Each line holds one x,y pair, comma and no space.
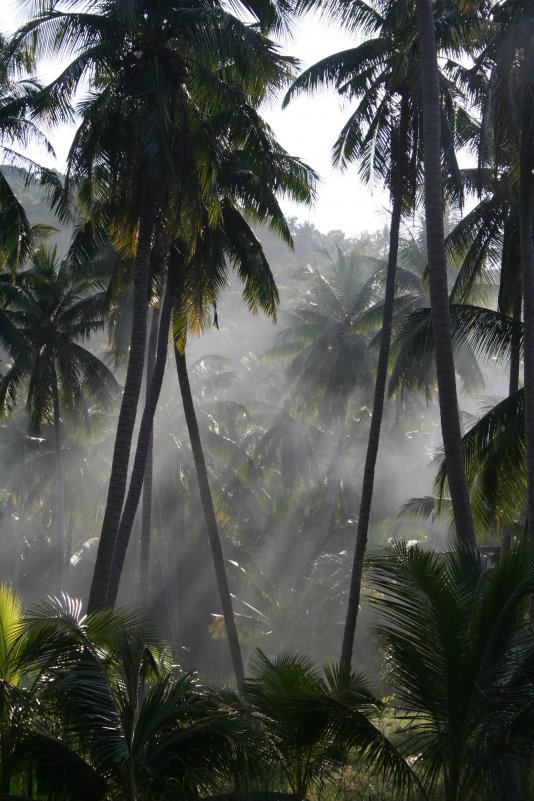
398,155
169,567
68,551
512,306
526,210
60,495
515,360
127,415
143,442
146,513
209,515
439,293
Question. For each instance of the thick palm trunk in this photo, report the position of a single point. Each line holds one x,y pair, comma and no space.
146,513
526,212
60,496
211,520
439,293
399,156
143,441
127,415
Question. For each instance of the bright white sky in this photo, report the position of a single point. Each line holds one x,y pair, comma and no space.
307,128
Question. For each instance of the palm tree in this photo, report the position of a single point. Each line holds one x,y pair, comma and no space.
17,235
247,186
326,349
460,658
439,293
509,54
43,316
113,719
383,74
310,723
143,140
494,452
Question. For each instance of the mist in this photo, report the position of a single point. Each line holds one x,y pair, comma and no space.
283,409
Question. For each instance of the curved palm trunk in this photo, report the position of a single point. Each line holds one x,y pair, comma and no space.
439,293
127,415
143,441
146,514
379,394
60,496
211,520
526,210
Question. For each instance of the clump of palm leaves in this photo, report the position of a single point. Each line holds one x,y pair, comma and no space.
459,653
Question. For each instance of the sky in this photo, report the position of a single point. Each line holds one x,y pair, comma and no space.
307,128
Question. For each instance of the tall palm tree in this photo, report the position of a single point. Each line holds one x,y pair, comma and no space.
43,317
143,139
326,349
247,186
439,293
384,133
509,53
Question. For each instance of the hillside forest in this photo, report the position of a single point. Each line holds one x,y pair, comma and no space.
267,496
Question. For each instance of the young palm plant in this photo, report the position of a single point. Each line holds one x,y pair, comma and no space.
310,723
460,656
113,719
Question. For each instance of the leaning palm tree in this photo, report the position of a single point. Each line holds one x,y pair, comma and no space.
461,659
43,317
249,177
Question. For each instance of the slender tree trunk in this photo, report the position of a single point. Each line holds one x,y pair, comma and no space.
526,211
143,442
68,551
146,513
399,156
510,300
60,495
211,520
439,293
515,359
127,415
169,566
